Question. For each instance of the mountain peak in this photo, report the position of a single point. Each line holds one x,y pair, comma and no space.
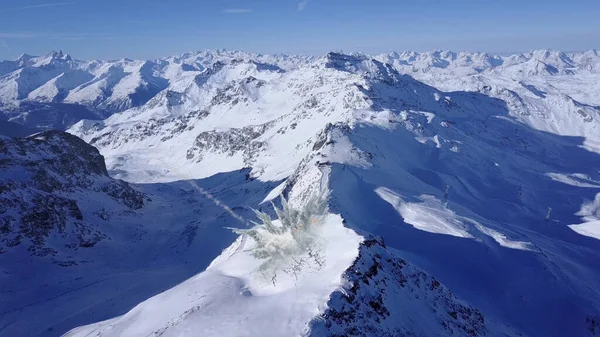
342,61
58,55
393,54
424,150
52,58
25,57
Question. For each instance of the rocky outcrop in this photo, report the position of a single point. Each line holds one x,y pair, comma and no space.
244,140
387,296
44,178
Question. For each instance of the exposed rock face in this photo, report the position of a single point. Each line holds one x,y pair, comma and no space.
387,296
394,149
593,325
43,178
244,140
493,143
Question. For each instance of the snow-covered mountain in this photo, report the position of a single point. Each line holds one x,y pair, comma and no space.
536,62
55,91
77,246
480,173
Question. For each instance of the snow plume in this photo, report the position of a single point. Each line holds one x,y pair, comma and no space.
292,242
590,213
218,203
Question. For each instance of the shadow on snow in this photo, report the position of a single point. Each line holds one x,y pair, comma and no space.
497,173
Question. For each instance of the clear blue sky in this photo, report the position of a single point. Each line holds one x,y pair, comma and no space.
153,28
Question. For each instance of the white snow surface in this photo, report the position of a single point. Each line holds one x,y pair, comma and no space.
388,146
231,299
590,213
107,87
474,167
429,215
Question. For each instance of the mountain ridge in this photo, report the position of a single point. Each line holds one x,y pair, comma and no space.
485,180
390,147
106,87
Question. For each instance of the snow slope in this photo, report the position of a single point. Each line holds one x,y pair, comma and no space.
77,246
106,87
535,62
10,129
491,244
459,182
100,87
228,299
480,173
548,90
387,296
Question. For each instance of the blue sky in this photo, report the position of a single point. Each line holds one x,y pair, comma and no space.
154,28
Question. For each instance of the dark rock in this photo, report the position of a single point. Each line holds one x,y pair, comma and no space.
40,178
374,305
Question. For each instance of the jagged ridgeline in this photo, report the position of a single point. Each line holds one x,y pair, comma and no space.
454,159
56,90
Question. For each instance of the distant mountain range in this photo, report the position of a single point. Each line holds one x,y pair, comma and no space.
464,194
54,91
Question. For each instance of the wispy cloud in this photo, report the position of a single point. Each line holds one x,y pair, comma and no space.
50,35
20,35
302,5
53,4
237,11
